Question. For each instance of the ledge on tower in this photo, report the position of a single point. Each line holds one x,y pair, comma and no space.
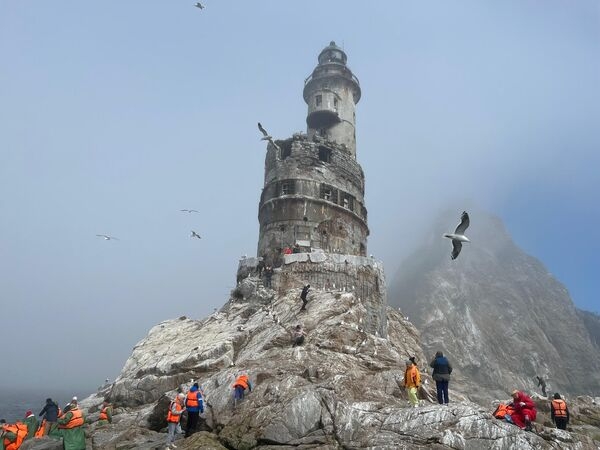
322,118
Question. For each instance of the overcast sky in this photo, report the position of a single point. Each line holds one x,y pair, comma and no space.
115,115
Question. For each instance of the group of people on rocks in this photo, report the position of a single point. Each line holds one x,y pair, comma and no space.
66,424
193,403
522,411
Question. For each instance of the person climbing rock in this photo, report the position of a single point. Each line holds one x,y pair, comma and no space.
303,296
242,382
298,335
542,384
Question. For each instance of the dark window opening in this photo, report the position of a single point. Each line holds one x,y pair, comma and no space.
328,193
335,102
324,154
347,201
287,187
281,227
286,149
318,100
305,219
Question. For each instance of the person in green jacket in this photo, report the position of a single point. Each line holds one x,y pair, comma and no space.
32,424
105,413
71,426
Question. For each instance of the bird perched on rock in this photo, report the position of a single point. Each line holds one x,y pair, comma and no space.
107,238
195,235
199,5
458,237
266,136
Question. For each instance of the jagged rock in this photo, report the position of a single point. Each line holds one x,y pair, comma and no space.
497,313
43,443
341,389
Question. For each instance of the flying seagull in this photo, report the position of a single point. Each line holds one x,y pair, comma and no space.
199,5
189,210
107,238
195,235
266,136
458,237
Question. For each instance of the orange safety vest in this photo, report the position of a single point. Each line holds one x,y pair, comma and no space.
103,413
174,418
242,381
412,377
40,431
502,410
192,399
559,407
20,429
76,419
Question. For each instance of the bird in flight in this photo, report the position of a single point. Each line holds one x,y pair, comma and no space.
458,237
195,235
107,238
189,210
266,136
199,5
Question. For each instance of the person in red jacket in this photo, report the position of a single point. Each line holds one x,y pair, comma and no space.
524,410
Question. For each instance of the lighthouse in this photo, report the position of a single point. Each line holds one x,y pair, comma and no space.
313,194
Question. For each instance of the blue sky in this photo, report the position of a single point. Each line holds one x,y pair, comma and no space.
116,115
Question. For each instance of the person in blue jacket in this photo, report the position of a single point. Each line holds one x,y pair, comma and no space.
194,403
441,374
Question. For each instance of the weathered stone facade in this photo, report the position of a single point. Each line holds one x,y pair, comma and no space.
313,194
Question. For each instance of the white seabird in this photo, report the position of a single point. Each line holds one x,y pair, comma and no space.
107,238
458,237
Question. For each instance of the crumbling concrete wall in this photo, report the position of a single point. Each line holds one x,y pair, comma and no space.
314,192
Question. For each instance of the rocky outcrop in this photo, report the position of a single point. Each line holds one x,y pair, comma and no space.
342,389
499,315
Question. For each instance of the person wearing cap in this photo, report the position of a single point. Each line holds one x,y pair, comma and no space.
524,410
71,424
559,413
194,405
32,424
50,413
412,381
176,409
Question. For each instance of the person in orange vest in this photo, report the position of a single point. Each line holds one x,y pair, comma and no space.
32,423
71,426
176,409
13,435
559,412
194,405
105,413
242,382
412,381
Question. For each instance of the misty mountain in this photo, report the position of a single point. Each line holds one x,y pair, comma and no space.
497,312
592,323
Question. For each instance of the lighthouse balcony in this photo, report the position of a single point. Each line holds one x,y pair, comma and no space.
322,118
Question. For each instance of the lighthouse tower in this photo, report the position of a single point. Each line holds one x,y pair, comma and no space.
313,195
331,93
